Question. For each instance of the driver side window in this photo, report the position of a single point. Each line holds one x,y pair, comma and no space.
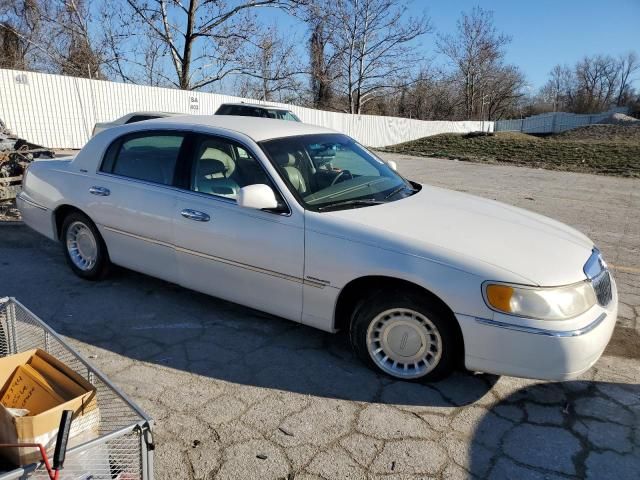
221,167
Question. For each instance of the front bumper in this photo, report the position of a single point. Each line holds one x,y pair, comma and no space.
532,352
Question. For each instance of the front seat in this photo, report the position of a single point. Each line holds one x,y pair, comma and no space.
212,173
288,161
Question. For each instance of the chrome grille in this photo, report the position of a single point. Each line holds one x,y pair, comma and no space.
602,286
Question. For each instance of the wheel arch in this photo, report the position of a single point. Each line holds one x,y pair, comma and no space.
356,289
60,213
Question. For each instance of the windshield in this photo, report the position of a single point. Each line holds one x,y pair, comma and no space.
332,171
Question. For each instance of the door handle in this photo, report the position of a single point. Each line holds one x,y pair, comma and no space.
195,215
100,191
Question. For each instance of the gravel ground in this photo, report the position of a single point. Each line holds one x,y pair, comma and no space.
240,395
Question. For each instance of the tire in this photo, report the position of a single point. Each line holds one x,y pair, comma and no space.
405,327
83,247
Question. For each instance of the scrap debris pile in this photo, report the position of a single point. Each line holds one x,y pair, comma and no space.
15,154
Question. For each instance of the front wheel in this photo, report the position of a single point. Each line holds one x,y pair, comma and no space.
405,336
83,247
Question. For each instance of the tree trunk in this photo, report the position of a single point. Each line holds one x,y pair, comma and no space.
185,71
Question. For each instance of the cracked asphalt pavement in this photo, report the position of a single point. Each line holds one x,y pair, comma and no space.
237,394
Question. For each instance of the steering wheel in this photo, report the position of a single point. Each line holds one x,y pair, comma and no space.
341,175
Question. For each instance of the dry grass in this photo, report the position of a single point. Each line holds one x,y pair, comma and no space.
600,149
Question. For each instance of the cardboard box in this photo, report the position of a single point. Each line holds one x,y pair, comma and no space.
76,393
29,391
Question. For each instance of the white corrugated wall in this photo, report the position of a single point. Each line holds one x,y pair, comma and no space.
554,122
60,112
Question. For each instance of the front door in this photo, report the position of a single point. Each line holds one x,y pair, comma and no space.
251,257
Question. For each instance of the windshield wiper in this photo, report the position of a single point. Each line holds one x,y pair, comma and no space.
355,202
398,190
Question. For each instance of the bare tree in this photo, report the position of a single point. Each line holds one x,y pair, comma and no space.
19,25
202,41
375,45
13,48
502,90
559,90
54,36
596,82
20,28
628,64
323,54
475,51
273,67
80,55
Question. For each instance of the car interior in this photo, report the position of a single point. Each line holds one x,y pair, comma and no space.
221,168
325,168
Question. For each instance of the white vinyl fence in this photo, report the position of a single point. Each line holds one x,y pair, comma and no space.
59,112
554,122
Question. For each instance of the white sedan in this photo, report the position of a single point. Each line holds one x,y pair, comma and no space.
304,223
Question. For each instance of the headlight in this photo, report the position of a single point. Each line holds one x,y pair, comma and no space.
555,303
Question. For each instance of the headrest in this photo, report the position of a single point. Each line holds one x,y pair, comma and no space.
208,166
284,159
208,153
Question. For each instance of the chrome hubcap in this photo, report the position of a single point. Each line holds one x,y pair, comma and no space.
404,343
82,246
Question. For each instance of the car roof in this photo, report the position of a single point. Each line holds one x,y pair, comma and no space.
159,114
259,129
257,105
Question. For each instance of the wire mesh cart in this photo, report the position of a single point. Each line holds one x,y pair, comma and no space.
121,445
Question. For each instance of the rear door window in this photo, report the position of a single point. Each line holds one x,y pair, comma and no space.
150,157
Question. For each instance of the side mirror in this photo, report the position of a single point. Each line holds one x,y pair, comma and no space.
258,196
393,165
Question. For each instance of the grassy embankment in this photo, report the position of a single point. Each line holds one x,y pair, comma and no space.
600,149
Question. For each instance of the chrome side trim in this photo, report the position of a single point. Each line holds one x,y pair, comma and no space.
226,261
22,196
543,331
313,283
133,235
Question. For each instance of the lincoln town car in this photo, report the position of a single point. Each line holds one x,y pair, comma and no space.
305,223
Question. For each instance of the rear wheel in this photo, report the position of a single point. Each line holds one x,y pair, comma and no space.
83,247
405,336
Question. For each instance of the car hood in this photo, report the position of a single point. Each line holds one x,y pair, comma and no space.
538,249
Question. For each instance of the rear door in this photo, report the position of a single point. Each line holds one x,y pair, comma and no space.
132,200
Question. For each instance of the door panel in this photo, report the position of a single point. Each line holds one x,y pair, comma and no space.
250,257
136,222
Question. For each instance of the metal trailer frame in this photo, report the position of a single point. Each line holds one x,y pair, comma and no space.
121,444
